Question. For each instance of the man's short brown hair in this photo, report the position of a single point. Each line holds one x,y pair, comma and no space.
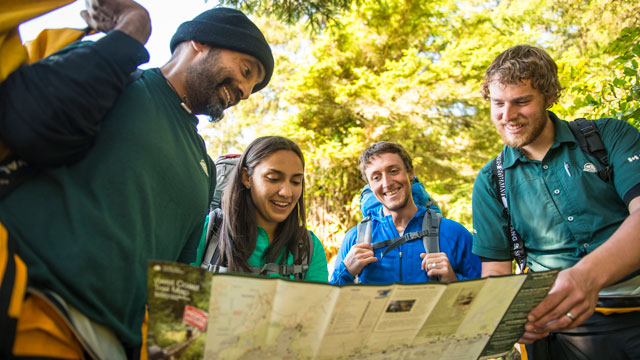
524,62
384,147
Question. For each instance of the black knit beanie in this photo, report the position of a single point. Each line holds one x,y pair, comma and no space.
229,29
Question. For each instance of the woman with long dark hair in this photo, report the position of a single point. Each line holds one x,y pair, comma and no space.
264,219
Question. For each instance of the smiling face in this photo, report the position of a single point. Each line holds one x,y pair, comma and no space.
219,79
519,113
389,180
276,187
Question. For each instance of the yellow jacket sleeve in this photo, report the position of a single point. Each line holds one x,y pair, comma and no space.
12,14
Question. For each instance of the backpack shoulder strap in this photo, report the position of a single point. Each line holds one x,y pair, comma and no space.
305,260
590,140
363,235
431,224
223,165
363,231
212,239
431,238
517,244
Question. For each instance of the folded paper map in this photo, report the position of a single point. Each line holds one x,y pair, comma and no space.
196,314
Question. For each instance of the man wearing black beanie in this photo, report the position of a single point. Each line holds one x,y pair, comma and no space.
228,59
85,231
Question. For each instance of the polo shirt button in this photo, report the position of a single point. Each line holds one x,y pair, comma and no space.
586,245
545,166
556,191
570,218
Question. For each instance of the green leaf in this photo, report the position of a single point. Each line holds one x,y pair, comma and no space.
619,83
629,71
623,105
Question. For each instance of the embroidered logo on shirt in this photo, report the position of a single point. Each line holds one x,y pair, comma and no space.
633,158
589,167
204,167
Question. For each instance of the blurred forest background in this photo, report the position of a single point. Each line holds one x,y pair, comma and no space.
353,72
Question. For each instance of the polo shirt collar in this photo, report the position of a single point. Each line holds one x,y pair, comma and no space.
562,135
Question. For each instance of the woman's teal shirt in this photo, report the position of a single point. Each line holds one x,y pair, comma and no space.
317,266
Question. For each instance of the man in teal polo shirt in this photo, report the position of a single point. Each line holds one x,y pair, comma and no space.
567,216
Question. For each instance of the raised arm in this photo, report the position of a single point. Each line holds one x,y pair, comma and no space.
51,111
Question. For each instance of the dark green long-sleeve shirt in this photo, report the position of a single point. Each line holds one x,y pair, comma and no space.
142,191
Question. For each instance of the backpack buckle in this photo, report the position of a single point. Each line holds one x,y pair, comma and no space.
409,236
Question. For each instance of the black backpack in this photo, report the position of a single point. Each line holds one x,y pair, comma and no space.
224,165
590,140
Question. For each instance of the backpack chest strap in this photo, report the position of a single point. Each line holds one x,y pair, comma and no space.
395,242
266,269
280,269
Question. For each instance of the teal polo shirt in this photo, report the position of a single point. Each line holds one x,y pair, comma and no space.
559,205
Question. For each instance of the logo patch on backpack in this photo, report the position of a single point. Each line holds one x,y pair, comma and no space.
589,167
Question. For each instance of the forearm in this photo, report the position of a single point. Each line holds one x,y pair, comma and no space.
52,110
576,289
496,268
617,257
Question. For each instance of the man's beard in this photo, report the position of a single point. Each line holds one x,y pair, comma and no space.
214,112
402,205
536,126
203,82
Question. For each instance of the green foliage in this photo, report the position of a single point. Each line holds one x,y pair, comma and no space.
316,13
616,92
410,71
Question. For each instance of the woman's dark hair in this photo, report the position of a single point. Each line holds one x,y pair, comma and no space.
238,234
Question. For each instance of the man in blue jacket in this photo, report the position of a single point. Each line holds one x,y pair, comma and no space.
388,170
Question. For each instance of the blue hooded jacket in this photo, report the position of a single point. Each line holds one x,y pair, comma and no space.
403,264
